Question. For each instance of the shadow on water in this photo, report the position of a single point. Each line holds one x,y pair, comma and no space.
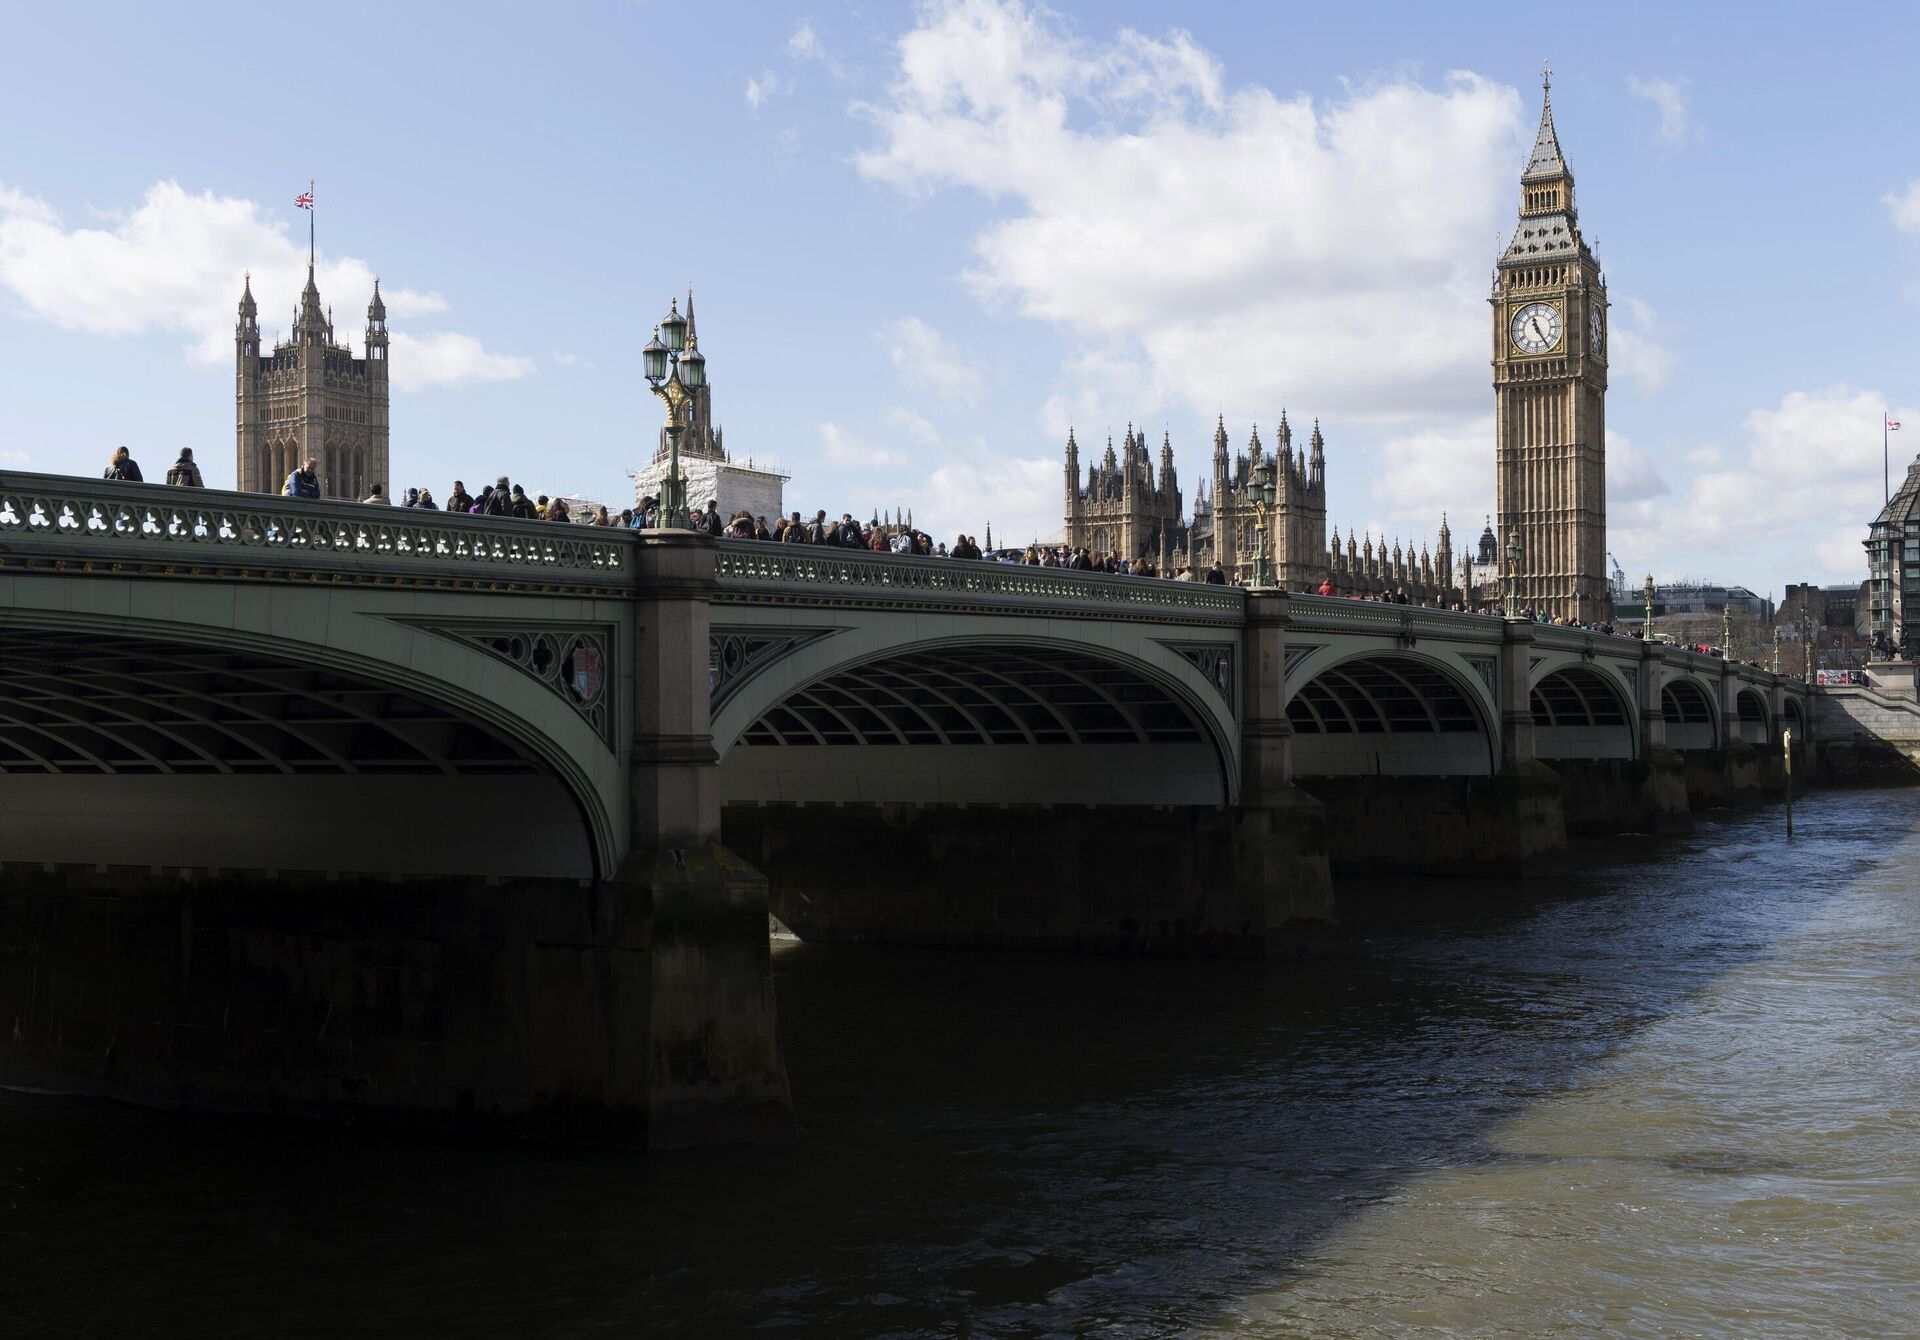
1007,1146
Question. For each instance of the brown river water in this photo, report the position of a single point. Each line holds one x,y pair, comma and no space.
1678,1094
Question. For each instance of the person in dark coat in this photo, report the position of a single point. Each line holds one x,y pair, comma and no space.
185,473
123,466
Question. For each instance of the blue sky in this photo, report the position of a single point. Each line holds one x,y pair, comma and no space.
925,239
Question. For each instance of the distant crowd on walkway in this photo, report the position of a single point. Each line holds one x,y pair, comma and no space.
503,498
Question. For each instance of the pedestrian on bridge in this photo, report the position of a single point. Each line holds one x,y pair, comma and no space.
123,466
304,482
185,473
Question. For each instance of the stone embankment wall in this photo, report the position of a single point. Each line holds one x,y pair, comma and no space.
1866,737
614,1012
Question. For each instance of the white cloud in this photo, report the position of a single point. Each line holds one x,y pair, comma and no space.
1246,250
564,360
926,360
843,448
1433,471
1669,96
805,44
763,86
447,358
1804,481
1020,497
173,264
1631,348
1904,207
914,425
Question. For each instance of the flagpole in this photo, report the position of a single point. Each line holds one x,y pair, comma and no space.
1886,468
309,224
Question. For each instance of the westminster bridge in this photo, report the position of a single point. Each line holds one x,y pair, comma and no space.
336,809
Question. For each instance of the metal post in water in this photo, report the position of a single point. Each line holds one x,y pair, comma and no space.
1786,750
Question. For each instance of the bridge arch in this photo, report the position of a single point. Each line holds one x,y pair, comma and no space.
984,717
288,730
1755,720
1581,712
1391,713
1689,714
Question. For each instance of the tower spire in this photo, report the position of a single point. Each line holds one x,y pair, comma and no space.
1546,160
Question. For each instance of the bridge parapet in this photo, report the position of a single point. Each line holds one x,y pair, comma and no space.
757,572
56,520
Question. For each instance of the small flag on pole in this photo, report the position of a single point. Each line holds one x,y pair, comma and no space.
306,200
1894,425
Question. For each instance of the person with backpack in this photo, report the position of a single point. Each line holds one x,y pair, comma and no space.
185,474
123,466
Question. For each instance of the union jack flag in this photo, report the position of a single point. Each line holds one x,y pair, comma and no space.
1894,424
306,200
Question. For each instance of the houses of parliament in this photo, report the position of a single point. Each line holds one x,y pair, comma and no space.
310,399
1549,319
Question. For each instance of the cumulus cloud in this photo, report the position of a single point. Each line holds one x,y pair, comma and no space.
1803,481
1433,472
1632,349
1247,249
843,448
974,486
926,360
173,264
1670,98
448,358
1903,207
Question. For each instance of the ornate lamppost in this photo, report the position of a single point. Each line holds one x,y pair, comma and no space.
1260,493
1726,630
675,370
1647,591
1513,574
1776,649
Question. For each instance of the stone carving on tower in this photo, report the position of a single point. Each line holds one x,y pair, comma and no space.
1550,385
311,399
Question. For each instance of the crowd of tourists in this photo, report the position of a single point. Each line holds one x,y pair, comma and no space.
504,498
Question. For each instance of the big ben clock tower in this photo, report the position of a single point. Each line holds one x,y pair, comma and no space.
1550,392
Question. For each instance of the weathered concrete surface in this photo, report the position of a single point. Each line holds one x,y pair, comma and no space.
1726,777
1866,737
1187,880
715,1070
550,1009
1617,795
1509,823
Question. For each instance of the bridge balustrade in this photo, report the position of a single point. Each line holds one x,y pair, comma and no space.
799,573
60,519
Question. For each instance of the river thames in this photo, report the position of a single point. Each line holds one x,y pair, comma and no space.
1678,1093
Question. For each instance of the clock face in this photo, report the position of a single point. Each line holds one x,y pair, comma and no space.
1597,328
1535,328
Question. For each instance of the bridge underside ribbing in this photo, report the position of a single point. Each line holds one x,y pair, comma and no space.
978,724
1387,715
147,753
